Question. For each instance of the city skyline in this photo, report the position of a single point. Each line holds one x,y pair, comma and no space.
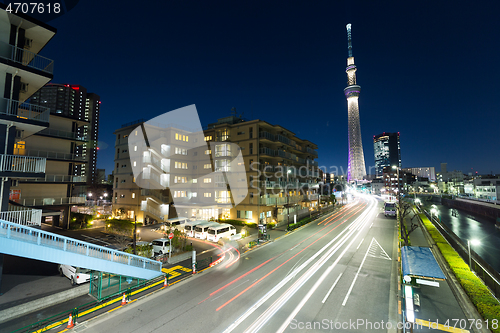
288,69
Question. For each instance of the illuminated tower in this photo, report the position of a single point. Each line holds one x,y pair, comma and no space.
356,165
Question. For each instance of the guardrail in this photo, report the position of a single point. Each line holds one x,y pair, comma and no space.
24,110
28,217
26,58
51,201
58,179
47,239
488,274
16,163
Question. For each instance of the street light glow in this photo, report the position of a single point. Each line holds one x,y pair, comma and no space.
475,242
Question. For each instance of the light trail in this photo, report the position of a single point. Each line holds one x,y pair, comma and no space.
276,305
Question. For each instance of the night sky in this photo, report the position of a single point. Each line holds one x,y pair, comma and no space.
427,69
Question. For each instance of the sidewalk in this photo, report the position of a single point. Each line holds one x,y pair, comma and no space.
446,302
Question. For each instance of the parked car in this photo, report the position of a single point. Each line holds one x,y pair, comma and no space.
76,275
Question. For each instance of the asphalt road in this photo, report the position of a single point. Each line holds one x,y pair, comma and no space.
339,270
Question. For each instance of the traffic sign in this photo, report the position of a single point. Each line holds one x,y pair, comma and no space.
170,235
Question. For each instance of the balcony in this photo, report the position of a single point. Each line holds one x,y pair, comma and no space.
22,164
63,134
267,151
148,209
280,201
266,135
312,151
26,58
50,155
23,110
52,201
155,194
283,139
58,179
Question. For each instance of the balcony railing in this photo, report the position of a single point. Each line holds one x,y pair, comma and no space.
60,179
63,134
267,151
49,154
26,58
154,193
51,201
24,110
312,151
153,211
29,217
266,135
280,201
14,163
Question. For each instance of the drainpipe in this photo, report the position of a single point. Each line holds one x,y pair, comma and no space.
4,179
17,38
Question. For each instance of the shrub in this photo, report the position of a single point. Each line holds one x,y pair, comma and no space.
478,293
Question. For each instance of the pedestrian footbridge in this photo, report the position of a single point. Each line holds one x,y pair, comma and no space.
25,241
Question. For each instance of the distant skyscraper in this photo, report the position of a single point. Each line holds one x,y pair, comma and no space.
387,151
356,165
74,102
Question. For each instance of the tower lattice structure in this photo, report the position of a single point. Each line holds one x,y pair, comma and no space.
356,165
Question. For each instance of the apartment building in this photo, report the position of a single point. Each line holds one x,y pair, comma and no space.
278,167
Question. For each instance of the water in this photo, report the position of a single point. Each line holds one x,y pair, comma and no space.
470,227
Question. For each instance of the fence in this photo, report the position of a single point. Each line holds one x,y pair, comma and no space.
483,270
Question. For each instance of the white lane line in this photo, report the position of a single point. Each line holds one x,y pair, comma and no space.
357,273
360,243
285,281
330,291
285,324
269,313
295,265
371,225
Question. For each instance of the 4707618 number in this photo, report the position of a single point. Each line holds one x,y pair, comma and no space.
33,7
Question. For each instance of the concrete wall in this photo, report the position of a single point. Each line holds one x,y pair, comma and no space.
477,208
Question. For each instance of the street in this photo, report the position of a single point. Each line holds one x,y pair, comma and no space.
336,271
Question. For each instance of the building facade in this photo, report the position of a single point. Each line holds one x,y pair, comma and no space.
278,167
83,108
425,172
387,151
356,169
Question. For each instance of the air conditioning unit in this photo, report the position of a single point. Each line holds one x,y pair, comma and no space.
23,87
28,43
14,182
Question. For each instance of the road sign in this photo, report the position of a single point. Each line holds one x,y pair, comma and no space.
170,235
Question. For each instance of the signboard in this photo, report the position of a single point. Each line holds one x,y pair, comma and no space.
170,235
15,195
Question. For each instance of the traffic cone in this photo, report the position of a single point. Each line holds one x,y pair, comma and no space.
194,269
124,300
165,283
71,324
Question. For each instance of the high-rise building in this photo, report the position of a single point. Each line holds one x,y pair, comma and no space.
74,103
356,165
281,173
387,151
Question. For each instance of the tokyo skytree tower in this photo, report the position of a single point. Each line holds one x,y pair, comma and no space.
356,165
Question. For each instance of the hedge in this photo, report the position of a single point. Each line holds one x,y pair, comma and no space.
485,303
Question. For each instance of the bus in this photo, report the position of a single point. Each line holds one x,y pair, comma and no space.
390,209
221,231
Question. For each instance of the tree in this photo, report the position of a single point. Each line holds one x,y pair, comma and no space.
404,208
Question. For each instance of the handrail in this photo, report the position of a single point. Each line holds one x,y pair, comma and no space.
24,110
16,163
51,201
49,154
26,58
47,239
28,217
58,179
63,134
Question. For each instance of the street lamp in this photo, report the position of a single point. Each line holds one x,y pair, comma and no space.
473,242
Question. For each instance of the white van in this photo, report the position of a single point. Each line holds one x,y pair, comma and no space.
189,227
202,229
175,223
76,275
161,246
220,231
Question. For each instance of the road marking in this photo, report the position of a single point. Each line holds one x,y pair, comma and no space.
230,290
437,326
329,291
172,271
376,251
371,225
357,273
208,251
295,264
360,243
